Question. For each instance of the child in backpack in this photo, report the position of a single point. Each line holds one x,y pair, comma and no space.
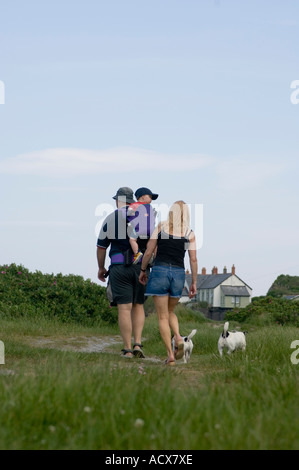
141,221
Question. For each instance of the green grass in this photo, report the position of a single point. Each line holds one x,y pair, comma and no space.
54,399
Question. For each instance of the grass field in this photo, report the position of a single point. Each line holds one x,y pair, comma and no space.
68,399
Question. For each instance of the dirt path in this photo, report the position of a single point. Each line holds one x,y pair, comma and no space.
87,344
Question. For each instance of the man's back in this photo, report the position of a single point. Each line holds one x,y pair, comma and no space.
114,232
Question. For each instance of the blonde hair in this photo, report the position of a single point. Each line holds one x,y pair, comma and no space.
178,222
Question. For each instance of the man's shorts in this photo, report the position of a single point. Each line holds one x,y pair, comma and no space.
166,280
125,285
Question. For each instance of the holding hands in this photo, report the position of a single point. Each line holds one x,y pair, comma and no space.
143,277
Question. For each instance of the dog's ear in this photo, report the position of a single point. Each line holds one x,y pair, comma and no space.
225,335
186,339
245,332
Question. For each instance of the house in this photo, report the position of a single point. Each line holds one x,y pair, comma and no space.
220,290
294,298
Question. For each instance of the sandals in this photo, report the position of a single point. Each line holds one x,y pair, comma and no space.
129,353
138,352
126,352
167,362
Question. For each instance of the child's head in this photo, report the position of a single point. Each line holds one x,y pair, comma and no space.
147,199
145,195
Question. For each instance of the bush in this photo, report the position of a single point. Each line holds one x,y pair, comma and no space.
267,310
284,285
185,313
71,298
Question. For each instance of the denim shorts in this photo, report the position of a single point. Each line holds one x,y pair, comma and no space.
166,280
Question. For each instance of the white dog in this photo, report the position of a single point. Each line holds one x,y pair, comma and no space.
188,345
231,340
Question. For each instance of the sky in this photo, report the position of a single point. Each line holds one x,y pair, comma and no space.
196,99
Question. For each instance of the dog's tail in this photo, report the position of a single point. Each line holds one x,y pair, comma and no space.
225,329
193,332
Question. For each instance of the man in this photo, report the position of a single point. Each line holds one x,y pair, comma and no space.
127,291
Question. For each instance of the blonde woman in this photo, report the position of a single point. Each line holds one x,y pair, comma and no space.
172,239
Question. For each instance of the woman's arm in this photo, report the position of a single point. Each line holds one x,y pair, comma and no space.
151,246
150,249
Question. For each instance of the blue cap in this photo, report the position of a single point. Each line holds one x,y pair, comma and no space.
143,191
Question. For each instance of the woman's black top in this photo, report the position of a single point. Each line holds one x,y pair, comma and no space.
171,249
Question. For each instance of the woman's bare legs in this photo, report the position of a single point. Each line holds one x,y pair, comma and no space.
161,304
173,319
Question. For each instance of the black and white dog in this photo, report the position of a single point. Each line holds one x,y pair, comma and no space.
188,345
231,340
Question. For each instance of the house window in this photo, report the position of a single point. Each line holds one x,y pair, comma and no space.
236,300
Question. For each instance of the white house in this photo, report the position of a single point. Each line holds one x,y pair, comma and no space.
294,297
220,290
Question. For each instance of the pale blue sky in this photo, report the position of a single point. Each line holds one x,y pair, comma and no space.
190,98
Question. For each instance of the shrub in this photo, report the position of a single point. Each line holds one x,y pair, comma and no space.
71,298
284,285
267,310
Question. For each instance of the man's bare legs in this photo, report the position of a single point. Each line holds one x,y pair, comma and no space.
125,325
138,319
131,321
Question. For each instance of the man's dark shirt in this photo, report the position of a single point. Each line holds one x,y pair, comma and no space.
114,232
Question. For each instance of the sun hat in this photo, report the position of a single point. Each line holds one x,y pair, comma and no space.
125,194
143,191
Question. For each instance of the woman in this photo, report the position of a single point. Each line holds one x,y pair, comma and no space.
167,279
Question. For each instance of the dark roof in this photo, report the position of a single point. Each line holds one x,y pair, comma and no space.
291,297
185,292
210,281
240,291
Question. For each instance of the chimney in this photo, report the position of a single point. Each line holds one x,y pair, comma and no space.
204,271
215,270
225,270
233,269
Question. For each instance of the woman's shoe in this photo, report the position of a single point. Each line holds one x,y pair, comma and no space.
169,362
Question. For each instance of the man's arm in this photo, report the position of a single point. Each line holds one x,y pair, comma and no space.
101,256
